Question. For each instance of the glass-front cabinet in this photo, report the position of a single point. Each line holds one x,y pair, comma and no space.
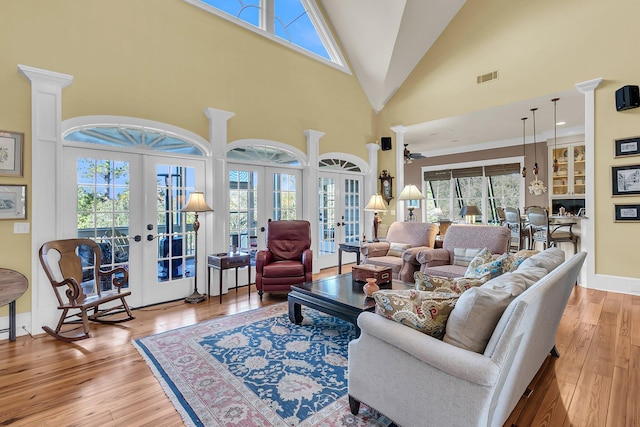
570,178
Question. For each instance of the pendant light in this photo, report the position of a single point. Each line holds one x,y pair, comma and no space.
524,150
535,150
536,186
555,135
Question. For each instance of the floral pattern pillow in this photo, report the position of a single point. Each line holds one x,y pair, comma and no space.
482,257
490,269
423,311
425,282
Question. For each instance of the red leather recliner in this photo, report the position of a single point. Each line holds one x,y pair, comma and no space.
288,258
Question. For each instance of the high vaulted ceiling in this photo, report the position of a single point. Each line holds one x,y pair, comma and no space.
385,39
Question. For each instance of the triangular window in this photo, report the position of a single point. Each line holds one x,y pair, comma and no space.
294,23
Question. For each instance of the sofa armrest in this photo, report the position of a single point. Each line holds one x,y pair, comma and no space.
433,257
460,363
307,262
409,255
374,249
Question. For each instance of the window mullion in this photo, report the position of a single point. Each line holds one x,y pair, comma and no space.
267,16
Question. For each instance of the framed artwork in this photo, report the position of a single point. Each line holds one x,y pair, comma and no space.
386,186
627,147
625,180
11,149
13,201
624,213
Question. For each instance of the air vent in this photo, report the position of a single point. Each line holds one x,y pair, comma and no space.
487,77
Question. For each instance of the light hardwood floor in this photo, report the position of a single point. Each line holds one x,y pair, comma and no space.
102,381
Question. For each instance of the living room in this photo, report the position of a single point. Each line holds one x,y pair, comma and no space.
168,62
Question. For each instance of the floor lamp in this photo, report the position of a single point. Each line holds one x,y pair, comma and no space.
410,192
196,204
375,205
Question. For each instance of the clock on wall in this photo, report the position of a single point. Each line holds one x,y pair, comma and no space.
386,185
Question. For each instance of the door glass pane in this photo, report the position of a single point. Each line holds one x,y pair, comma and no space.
326,215
284,196
351,219
243,211
103,213
175,236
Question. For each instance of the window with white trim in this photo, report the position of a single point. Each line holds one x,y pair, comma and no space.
298,24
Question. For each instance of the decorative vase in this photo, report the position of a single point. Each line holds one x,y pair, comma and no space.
370,287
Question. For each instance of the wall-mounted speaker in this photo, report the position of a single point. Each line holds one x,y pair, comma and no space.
627,97
385,141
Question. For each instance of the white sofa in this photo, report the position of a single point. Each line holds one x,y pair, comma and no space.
417,380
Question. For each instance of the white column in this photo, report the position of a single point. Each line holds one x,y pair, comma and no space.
217,192
310,181
400,205
370,187
46,164
587,226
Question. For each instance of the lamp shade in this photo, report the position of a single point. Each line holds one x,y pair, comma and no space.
376,204
437,212
469,210
196,203
410,192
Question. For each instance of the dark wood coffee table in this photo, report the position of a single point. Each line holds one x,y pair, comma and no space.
339,296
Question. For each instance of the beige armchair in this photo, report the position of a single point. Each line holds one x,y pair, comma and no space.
441,261
404,240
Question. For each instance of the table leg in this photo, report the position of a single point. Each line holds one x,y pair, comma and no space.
340,260
249,281
208,282
236,281
221,286
295,312
358,257
12,321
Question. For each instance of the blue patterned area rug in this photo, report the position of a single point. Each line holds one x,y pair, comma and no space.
258,369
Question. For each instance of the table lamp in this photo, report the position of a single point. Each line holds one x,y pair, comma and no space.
469,212
196,204
410,192
375,205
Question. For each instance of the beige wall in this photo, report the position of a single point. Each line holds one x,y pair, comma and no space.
539,48
166,60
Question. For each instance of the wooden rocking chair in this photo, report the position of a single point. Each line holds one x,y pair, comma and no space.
73,267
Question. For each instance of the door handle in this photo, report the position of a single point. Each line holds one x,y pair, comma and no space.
150,237
262,229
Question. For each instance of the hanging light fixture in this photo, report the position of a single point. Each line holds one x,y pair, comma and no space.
555,134
536,186
535,150
524,150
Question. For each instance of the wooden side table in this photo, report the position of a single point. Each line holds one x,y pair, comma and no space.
225,261
12,286
348,247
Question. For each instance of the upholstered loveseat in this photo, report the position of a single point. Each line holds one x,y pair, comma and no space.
404,240
418,380
451,260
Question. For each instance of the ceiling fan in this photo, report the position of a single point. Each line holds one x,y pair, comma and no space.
409,156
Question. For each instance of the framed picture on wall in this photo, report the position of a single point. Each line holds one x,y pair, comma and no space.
625,180
11,148
13,201
627,147
624,213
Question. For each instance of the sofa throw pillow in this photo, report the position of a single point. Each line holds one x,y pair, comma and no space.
518,258
479,309
423,311
548,259
482,257
447,284
396,249
463,256
490,269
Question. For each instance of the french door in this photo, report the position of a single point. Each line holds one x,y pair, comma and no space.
339,216
131,205
258,195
